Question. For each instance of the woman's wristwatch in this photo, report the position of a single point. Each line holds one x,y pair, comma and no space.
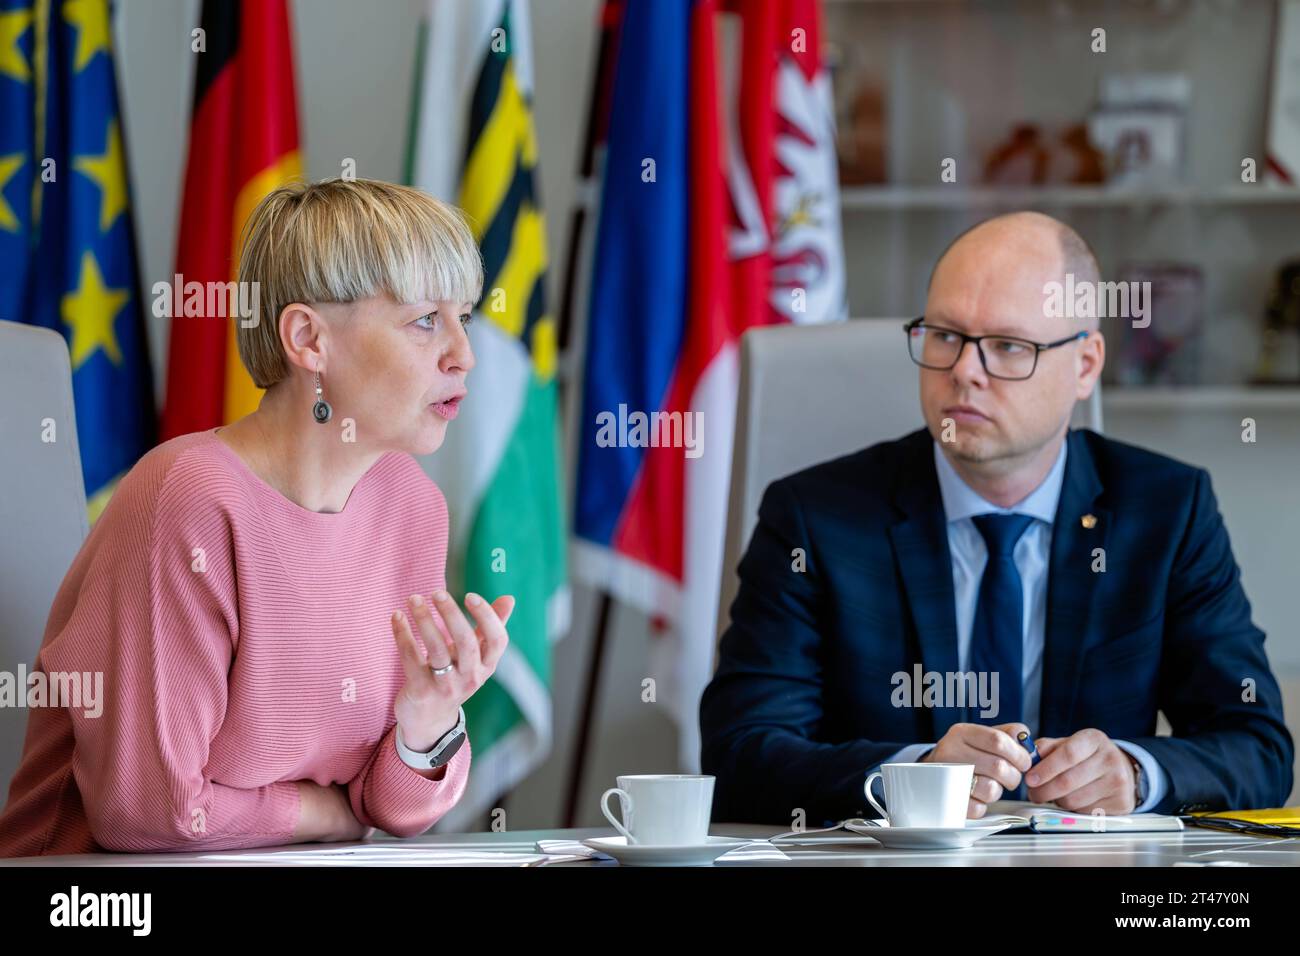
440,753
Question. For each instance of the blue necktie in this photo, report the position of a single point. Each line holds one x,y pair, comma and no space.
997,638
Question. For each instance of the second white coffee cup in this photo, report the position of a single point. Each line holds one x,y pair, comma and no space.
662,809
924,794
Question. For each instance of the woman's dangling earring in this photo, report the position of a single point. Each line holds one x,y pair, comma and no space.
321,411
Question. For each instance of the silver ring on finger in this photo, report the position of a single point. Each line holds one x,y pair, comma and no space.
441,671
974,779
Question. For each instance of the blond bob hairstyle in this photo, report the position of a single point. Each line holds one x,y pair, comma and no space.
340,240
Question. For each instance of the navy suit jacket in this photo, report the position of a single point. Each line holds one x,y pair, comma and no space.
800,709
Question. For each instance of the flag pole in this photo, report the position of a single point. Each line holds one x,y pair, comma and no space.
571,340
585,719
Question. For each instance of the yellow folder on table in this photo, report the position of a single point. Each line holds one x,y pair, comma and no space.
1275,821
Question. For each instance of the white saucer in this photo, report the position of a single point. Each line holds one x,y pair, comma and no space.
930,838
639,854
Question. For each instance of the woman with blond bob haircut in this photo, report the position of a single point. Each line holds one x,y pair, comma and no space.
245,594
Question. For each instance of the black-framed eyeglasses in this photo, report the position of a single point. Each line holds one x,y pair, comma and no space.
1004,356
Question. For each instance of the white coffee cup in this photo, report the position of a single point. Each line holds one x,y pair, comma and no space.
924,794
662,809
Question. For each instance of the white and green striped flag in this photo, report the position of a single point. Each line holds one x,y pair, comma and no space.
473,143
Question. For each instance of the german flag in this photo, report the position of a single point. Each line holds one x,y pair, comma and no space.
243,144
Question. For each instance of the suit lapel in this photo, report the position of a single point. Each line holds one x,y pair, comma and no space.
920,543
1071,583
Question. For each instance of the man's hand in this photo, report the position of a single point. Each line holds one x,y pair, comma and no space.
1083,772
998,757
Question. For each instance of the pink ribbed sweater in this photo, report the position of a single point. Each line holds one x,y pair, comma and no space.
245,644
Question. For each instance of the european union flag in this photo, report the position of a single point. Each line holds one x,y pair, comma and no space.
17,131
65,223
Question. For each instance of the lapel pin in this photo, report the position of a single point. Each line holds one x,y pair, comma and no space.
1089,521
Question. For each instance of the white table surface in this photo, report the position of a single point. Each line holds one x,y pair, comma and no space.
1195,846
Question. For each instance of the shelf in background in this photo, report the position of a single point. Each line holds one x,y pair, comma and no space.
1204,397
868,198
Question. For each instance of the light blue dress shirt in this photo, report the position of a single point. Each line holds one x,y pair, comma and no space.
1032,557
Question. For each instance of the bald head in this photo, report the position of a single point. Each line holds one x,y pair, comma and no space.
1029,236
1004,280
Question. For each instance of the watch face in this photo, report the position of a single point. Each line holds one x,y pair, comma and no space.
446,753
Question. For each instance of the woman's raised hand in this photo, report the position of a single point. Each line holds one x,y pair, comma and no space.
449,661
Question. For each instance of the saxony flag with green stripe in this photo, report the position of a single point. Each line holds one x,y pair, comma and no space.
474,144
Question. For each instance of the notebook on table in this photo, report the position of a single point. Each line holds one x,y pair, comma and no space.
1047,818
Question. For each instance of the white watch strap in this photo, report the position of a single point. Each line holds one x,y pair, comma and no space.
420,760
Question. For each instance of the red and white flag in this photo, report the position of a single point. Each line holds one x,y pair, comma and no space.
785,264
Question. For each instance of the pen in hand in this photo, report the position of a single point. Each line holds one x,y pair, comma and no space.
1027,742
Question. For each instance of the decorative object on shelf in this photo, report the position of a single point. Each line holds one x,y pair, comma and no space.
862,138
1279,356
1140,126
1074,160
1282,150
1029,158
860,119
1021,160
1167,350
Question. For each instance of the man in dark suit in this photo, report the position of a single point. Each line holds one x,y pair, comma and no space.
996,571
